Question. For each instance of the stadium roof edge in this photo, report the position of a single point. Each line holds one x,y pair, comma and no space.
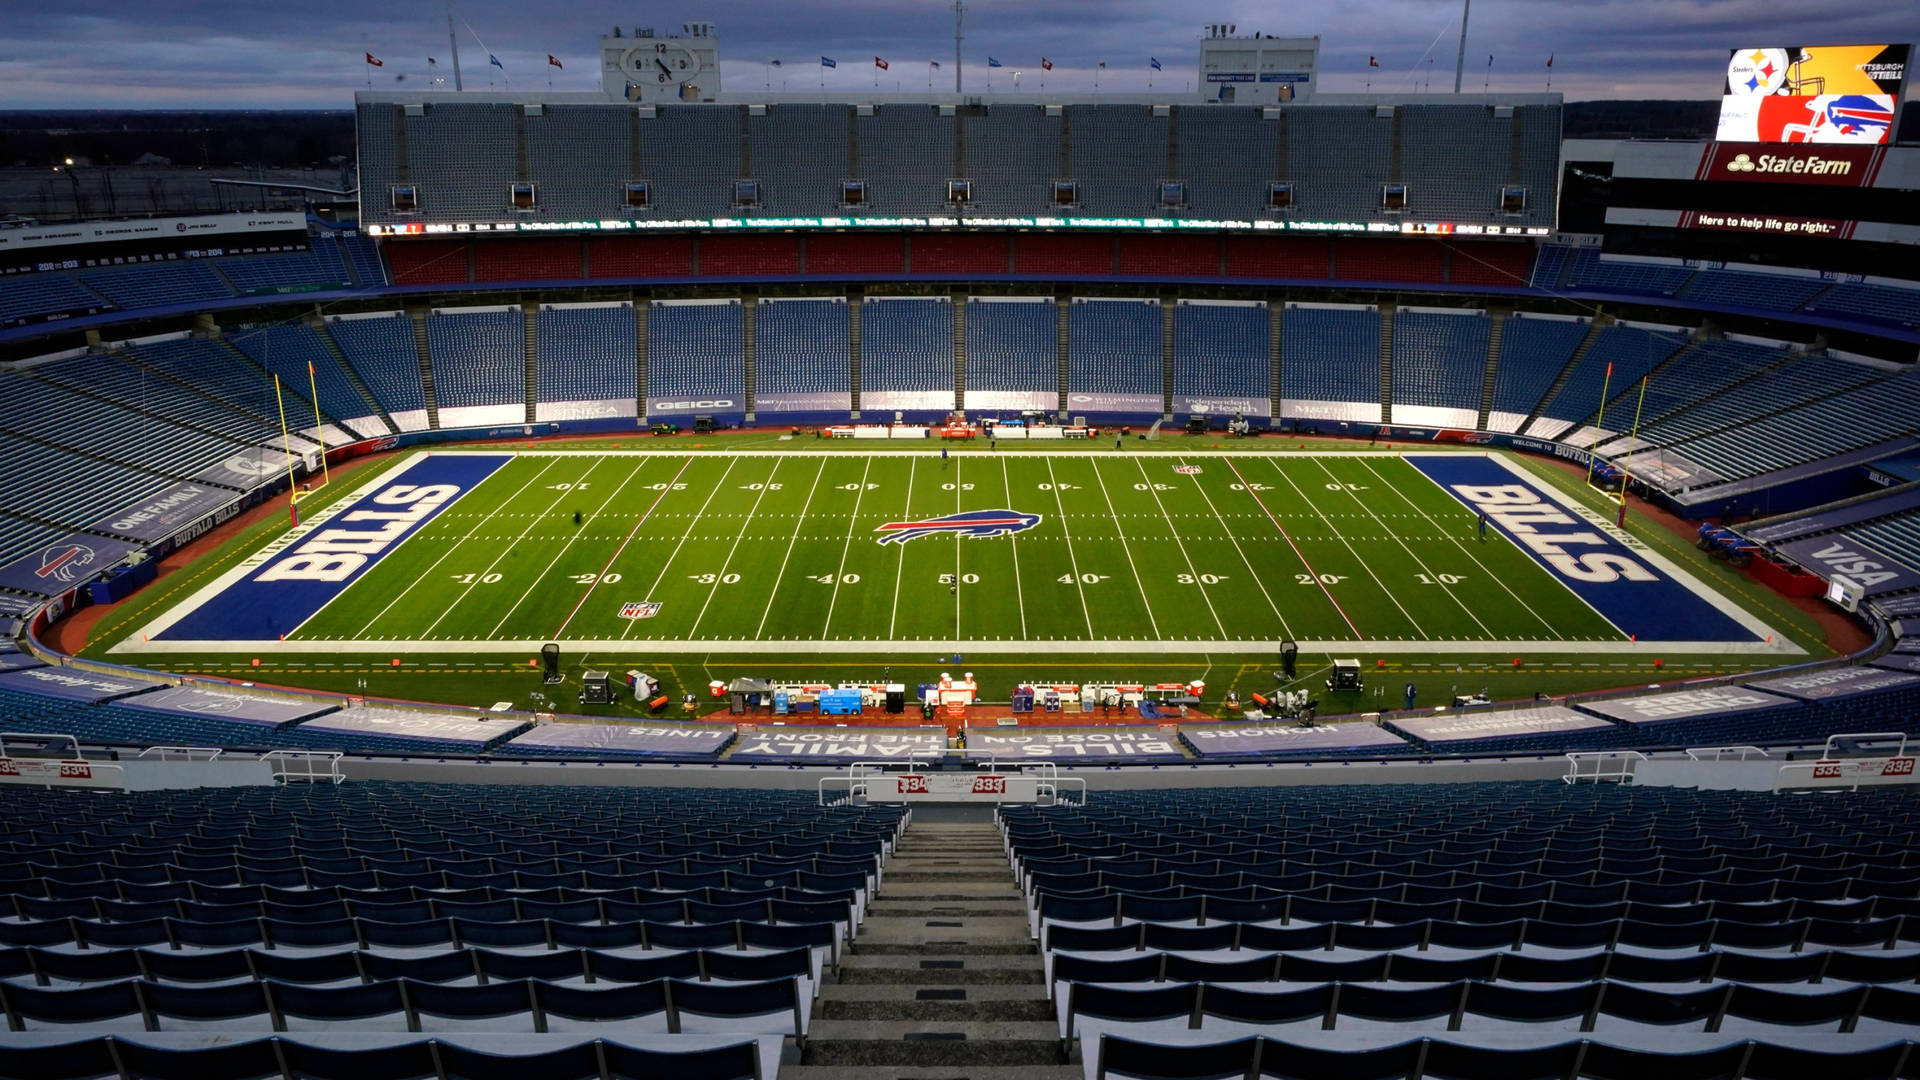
549,97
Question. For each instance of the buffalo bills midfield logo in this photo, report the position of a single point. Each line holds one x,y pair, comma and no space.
973,523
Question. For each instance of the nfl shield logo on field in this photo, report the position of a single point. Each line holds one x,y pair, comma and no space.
640,609
1187,470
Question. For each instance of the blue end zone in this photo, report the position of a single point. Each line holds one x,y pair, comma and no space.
337,547
1624,588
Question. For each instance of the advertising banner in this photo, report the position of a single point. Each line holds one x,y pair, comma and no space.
1812,94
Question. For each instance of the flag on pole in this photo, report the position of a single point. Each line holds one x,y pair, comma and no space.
309,369
879,63
991,62
775,63
431,62
829,62
375,61
935,63
1046,64
1101,64
495,61
1154,64
1549,59
1489,59
1373,61
551,62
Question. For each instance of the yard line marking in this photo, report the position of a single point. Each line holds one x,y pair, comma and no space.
511,544
956,551
847,546
900,564
1244,561
591,518
1124,546
455,546
1464,549
798,522
1348,544
1404,546
1317,579
1072,560
694,520
639,521
1191,569
719,579
1019,597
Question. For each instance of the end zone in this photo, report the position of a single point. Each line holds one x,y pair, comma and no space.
280,587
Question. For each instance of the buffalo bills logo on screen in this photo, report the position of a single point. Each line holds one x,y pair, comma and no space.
973,523
640,609
65,562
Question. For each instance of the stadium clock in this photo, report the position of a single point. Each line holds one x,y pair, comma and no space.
660,64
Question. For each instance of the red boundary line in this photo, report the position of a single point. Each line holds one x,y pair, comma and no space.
641,520
1248,488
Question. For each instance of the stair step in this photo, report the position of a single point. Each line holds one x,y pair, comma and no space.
958,1012
864,947
931,1043
930,1072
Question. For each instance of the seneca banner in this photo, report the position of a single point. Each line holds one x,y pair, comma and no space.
1812,94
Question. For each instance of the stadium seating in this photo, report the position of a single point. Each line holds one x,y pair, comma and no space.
1170,256
479,365
587,352
1628,351
906,353
1114,349
1550,267
1388,260
1439,362
1588,272
55,484
906,157
1533,352
527,260
697,349
398,907
579,164
127,430
361,257
1863,416
1544,911
640,256
429,262
958,253
1013,357
1796,382
287,350
234,399
749,256
1307,258
380,349
1879,303
1330,362
26,296
321,266
1012,153
800,347
855,254
1736,288
1694,376
1220,351
157,285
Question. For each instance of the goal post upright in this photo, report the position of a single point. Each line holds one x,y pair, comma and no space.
319,428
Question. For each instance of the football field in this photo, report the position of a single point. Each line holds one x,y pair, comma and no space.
896,550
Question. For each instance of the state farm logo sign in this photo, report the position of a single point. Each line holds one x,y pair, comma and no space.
1839,166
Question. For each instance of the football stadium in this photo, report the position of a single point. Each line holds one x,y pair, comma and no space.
1237,579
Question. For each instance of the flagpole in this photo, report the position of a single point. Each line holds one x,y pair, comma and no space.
453,42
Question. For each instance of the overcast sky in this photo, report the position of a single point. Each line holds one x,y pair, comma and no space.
280,54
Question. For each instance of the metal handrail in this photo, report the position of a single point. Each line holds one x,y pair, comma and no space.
1719,752
166,752
1600,758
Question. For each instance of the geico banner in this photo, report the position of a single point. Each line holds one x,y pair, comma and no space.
1854,772
953,787
41,772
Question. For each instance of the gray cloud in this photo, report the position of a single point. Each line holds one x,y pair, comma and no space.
274,54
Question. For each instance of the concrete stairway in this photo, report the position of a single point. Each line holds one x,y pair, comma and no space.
942,981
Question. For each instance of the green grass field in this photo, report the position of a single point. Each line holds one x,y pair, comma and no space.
764,559
1127,551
